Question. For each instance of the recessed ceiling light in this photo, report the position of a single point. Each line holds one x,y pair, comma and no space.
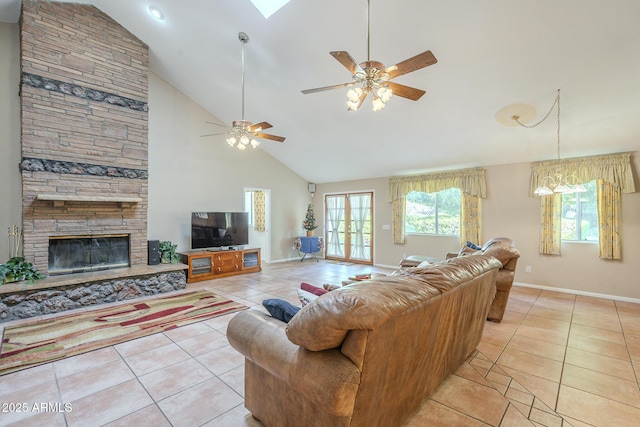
156,13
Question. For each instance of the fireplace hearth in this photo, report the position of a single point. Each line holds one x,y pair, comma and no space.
79,254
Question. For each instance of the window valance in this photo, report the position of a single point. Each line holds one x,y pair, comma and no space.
613,168
470,181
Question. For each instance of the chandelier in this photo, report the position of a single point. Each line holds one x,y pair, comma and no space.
557,182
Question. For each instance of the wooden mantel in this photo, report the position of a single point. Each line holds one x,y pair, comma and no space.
60,199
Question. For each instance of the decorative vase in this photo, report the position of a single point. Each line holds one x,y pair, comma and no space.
309,233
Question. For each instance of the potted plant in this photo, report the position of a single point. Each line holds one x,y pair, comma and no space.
168,253
18,269
309,222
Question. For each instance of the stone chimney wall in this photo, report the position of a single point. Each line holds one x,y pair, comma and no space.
84,127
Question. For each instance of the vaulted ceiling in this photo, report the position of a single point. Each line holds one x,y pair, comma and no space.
491,54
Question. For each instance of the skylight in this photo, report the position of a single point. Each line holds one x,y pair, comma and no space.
269,7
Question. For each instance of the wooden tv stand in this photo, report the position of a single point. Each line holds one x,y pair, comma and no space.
213,264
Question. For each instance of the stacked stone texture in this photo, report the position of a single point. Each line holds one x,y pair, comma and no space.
21,305
90,109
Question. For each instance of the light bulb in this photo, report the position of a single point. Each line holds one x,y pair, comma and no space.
385,92
231,141
543,190
377,104
352,106
353,95
244,139
563,188
242,147
579,188
254,143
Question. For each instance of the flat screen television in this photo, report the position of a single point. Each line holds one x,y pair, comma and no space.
219,229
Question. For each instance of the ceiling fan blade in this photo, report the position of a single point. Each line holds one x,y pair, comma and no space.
406,91
271,137
261,125
345,59
217,124
320,89
213,134
417,62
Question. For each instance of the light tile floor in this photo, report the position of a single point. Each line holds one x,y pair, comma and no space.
554,360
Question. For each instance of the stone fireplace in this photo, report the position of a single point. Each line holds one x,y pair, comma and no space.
84,134
84,140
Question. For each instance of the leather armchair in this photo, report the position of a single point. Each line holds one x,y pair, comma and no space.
503,249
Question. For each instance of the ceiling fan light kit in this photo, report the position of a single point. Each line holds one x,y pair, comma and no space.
244,133
371,77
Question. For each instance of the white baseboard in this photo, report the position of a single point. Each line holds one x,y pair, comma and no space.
574,292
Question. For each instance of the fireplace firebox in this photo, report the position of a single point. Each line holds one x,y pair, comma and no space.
78,254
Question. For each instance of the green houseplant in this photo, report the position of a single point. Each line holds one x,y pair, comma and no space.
168,253
18,269
309,222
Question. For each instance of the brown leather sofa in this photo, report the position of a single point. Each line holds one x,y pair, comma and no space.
367,354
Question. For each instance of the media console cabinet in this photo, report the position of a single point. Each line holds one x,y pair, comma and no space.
212,264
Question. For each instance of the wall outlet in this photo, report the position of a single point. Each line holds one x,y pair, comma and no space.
386,227
527,269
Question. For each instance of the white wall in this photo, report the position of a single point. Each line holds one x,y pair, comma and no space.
190,173
10,184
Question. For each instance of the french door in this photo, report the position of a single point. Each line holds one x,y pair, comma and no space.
349,227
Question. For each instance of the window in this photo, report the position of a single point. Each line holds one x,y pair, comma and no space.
580,215
433,213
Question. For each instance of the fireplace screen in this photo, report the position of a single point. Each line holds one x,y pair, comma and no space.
80,254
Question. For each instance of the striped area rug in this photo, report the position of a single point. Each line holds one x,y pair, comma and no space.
42,341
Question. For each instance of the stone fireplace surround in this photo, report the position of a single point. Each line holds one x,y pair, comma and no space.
84,129
84,141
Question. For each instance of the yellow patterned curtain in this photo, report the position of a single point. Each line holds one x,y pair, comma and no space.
259,211
469,219
615,173
551,224
613,168
609,203
397,213
471,183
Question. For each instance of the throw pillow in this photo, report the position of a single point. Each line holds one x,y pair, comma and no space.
305,297
473,246
313,289
280,309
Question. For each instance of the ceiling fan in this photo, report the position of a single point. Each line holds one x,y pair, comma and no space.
243,132
371,77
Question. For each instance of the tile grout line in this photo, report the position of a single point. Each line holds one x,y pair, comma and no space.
626,343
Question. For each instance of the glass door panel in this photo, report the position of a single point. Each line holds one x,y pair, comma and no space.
349,227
